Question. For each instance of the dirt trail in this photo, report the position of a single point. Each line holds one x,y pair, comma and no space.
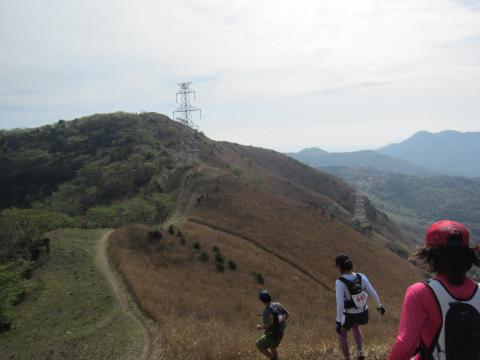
101,260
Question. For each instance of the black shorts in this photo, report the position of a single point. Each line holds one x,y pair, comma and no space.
355,319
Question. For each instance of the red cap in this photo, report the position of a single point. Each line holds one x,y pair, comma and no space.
440,234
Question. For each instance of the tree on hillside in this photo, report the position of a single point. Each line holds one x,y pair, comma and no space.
20,229
138,210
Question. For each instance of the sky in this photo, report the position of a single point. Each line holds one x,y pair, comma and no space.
341,75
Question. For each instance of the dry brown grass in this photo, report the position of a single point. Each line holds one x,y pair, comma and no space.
205,314
270,228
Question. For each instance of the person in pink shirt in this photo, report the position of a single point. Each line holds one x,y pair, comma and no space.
440,318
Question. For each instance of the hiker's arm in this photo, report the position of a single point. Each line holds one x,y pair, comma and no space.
411,323
371,291
285,314
266,319
340,294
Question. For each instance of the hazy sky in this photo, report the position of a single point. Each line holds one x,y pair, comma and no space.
338,74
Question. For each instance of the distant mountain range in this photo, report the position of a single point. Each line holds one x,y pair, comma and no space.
318,158
449,152
409,180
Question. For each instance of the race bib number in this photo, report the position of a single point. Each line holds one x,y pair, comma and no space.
360,300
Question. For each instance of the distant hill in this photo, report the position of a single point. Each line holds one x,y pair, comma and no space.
448,152
318,158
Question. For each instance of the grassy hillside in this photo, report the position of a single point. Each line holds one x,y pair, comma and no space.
70,311
207,311
120,168
280,222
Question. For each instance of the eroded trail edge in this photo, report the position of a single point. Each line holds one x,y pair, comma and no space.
101,260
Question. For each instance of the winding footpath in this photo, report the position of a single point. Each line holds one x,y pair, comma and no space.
103,265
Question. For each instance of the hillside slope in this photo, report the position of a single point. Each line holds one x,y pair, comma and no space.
89,167
265,213
70,311
210,314
279,221
419,200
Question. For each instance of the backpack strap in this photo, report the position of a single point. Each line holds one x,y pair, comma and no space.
443,299
349,303
345,281
348,283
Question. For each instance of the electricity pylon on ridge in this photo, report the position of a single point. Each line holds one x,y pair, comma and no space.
188,140
360,213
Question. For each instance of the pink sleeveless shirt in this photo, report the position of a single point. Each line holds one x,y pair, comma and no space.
421,318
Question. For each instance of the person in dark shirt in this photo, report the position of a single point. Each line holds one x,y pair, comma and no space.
274,322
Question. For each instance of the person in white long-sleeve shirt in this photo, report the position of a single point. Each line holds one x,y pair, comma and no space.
352,291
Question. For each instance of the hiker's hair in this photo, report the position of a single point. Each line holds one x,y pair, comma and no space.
347,265
451,261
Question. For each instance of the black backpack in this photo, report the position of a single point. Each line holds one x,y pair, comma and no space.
355,287
278,313
459,336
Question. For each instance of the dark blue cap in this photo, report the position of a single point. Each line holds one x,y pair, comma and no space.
265,296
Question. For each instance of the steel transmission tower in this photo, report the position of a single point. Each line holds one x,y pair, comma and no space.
189,128
360,213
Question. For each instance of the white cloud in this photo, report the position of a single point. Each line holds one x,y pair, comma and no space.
344,66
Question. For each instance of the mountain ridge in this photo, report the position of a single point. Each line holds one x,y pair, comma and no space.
318,158
449,152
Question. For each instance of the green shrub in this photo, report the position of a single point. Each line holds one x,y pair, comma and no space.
219,258
220,267
203,256
257,180
12,277
258,278
197,246
162,204
216,249
232,265
139,209
237,171
154,234
21,228
104,216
